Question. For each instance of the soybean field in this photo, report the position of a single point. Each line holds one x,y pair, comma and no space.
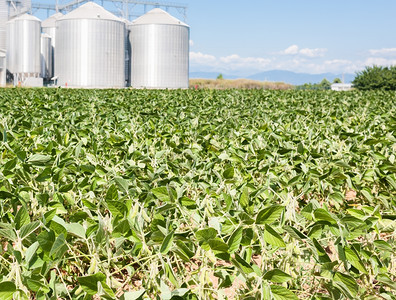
197,194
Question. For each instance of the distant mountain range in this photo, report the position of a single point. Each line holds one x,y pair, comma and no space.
280,76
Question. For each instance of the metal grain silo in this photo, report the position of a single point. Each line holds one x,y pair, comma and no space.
3,21
90,48
48,26
10,45
46,56
127,52
159,51
3,69
26,47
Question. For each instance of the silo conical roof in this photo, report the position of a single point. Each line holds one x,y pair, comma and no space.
50,22
26,17
90,10
158,16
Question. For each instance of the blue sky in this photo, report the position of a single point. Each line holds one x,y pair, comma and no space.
246,37
311,36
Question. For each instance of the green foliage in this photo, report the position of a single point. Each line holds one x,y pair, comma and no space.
376,77
323,85
337,80
220,77
196,194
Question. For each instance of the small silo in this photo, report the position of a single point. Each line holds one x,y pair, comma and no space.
26,50
46,56
48,26
10,45
3,21
159,51
3,69
90,48
127,52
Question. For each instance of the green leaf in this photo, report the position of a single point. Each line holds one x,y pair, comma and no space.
346,284
353,258
277,276
167,243
269,215
294,233
7,231
323,215
38,159
384,279
206,234
229,173
137,295
76,229
31,251
240,263
272,237
7,289
383,246
90,283
122,183
244,198
161,193
282,293
28,229
323,257
112,193
59,247
22,218
218,245
235,240
116,207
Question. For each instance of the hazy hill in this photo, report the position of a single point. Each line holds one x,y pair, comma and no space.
279,76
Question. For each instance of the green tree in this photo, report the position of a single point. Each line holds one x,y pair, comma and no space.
325,84
220,77
337,80
376,77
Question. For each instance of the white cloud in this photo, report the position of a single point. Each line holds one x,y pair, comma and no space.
232,62
307,52
379,61
293,49
202,59
317,52
383,52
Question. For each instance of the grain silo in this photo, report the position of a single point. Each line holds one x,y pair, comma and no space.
159,51
10,45
26,50
48,26
3,21
10,9
90,48
3,69
46,56
127,52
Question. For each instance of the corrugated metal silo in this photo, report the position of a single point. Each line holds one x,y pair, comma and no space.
90,48
10,46
3,21
127,52
159,51
26,46
46,56
48,26
3,69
